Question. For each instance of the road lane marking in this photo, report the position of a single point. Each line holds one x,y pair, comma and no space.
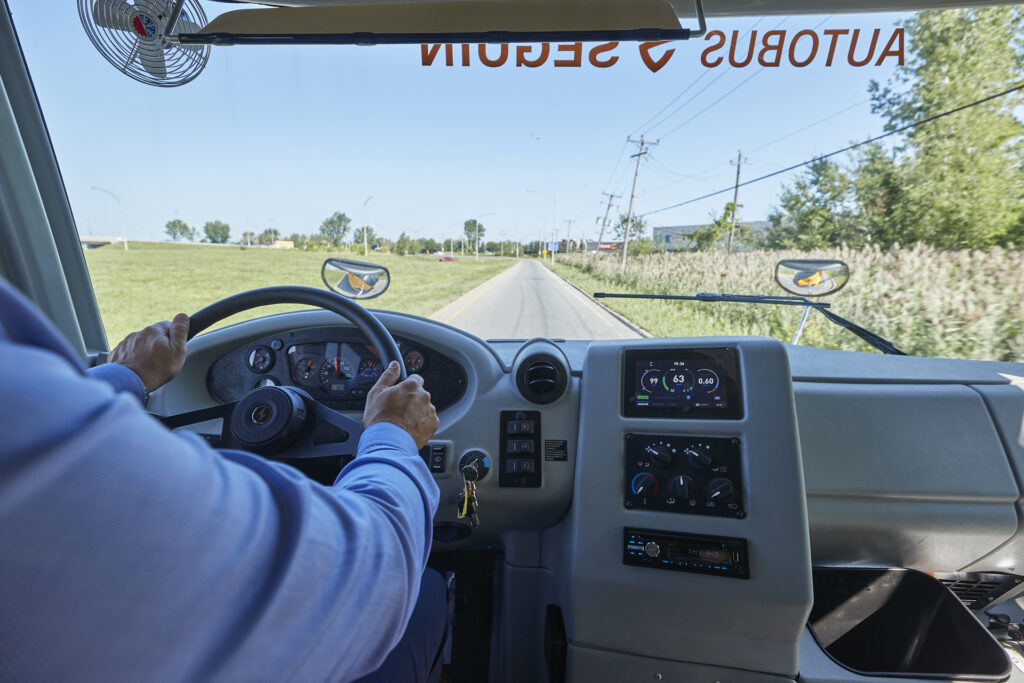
487,286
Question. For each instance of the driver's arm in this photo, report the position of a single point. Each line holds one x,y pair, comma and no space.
135,553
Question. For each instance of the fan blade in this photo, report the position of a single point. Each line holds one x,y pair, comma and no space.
112,14
151,55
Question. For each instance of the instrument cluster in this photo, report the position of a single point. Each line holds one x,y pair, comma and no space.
335,365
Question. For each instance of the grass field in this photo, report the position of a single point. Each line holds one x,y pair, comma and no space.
153,281
954,304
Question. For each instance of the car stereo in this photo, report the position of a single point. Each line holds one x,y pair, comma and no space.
681,383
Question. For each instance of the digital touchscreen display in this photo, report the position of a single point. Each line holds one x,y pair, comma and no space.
682,383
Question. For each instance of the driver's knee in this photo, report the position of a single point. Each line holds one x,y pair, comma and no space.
418,655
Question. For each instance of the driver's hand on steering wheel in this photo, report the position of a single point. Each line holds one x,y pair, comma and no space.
406,405
156,353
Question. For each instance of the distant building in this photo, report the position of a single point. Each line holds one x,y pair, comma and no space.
283,244
592,245
674,237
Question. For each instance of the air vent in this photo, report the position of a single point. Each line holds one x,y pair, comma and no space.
976,590
541,378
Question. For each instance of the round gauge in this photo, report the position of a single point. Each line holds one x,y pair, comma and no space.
679,380
415,360
370,368
261,359
707,380
651,380
335,375
306,369
266,382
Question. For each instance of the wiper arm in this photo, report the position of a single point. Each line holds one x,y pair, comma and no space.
880,343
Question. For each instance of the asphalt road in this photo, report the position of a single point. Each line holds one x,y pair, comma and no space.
528,300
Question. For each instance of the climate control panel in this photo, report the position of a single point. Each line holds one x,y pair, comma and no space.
687,474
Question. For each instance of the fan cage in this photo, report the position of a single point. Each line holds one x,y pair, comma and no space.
124,49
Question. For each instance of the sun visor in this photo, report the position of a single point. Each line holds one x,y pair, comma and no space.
518,16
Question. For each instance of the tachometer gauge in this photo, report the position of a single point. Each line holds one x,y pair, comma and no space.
370,369
414,361
306,369
336,375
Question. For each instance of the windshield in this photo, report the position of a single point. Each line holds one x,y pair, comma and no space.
496,183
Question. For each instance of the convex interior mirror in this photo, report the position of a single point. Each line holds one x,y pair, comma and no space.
355,279
812,277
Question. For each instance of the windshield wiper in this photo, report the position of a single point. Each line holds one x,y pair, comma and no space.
880,343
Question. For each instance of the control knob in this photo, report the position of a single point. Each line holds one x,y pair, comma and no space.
721,490
652,549
660,455
681,487
698,458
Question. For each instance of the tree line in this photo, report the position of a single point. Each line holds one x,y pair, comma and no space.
956,182
336,232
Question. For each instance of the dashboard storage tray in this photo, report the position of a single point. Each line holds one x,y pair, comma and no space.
901,623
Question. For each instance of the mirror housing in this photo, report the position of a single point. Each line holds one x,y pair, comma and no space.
812,277
355,279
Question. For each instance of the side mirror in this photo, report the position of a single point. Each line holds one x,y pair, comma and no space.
355,279
812,277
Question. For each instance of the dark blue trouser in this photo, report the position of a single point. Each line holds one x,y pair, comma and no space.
418,655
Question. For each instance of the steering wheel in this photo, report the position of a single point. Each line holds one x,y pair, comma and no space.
280,421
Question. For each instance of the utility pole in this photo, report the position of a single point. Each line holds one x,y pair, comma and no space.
604,222
366,248
735,198
568,231
644,144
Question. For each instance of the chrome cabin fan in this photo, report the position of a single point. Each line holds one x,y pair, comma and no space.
139,38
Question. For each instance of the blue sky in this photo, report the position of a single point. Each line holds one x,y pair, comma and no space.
283,136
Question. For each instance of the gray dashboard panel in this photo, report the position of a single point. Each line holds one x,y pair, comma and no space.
905,475
1006,404
750,624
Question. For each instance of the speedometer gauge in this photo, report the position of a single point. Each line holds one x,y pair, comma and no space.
336,375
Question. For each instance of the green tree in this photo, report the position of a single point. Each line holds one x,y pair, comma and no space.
357,237
816,211
269,236
217,232
248,237
299,240
962,185
473,229
637,231
404,245
335,228
716,234
178,229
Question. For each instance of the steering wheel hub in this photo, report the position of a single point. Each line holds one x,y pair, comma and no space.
269,418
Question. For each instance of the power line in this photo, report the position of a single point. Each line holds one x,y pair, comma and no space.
694,98
811,125
844,149
687,88
741,83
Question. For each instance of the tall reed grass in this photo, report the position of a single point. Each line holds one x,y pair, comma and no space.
929,302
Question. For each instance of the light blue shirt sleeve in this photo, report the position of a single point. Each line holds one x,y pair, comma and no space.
120,378
133,553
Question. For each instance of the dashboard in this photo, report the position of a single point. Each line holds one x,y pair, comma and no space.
710,473
336,365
